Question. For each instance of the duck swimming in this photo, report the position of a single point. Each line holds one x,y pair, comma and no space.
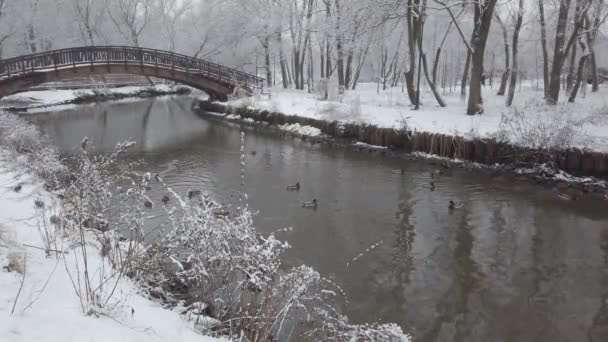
311,204
193,193
453,205
295,187
165,199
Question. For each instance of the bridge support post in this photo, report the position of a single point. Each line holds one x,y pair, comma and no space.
141,59
55,62
108,58
91,57
172,64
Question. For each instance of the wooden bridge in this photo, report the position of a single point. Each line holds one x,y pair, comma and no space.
20,73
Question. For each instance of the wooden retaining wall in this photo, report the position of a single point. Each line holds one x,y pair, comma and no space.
484,151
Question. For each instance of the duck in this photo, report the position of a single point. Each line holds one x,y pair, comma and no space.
399,171
165,199
570,196
254,152
432,184
157,177
17,188
193,193
295,187
148,204
311,204
453,205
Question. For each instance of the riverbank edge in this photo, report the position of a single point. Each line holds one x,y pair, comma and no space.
581,170
28,183
100,96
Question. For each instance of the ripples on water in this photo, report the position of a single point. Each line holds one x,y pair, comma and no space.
513,264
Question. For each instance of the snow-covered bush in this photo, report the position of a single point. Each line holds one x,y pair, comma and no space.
545,128
23,143
103,210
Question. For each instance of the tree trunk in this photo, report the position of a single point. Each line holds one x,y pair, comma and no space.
582,62
267,61
322,60
483,22
558,53
515,71
543,43
438,97
571,69
412,28
440,47
579,78
339,47
282,61
465,75
591,36
505,75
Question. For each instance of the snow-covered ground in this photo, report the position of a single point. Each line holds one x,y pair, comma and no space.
47,307
391,108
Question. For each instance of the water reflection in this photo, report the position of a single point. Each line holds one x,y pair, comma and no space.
513,264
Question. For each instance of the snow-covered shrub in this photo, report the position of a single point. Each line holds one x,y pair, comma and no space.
545,128
23,143
101,212
223,262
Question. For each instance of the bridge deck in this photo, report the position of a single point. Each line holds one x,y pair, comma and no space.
125,55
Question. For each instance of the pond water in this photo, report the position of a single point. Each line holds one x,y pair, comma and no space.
514,263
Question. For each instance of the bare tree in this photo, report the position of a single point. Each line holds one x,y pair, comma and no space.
171,13
484,11
505,75
88,16
560,52
543,43
515,71
6,35
130,17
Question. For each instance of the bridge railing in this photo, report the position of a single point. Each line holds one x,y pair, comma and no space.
96,55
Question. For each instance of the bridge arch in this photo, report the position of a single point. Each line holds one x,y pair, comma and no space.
20,73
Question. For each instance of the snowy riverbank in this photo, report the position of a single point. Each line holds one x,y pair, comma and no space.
529,122
38,300
47,98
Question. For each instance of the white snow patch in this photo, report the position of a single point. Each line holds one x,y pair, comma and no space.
299,129
365,145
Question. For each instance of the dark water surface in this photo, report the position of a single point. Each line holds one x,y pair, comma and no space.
515,263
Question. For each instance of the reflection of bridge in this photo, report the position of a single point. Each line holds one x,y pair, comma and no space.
20,73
